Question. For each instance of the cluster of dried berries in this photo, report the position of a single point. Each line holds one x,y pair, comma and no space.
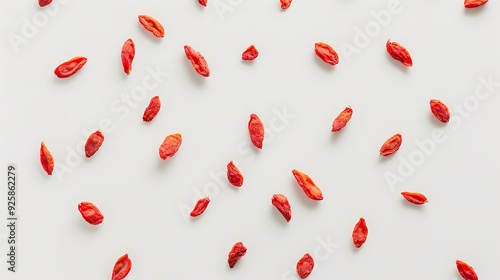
172,143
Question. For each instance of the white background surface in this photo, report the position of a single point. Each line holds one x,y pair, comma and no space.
145,200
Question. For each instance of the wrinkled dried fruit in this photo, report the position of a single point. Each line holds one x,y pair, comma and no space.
152,25
236,253
281,203
285,4
474,3
391,145
399,53
360,233
326,53
70,67
305,266
415,198
198,62
308,186
152,110
170,145
46,159
466,271
128,54
203,2
234,175
440,111
342,119
256,130
122,268
200,207
250,53
93,144
90,213
44,3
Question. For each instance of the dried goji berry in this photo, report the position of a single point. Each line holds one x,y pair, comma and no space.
305,266
391,145
122,268
203,2
326,53
200,207
256,130
308,186
170,145
285,4
466,271
415,198
152,110
93,144
128,53
250,53
440,110
152,25
360,233
342,119
46,159
281,203
234,175
474,3
90,213
44,3
70,67
399,53
197,61
236,253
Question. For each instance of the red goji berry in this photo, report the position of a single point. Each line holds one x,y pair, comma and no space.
250,53
308,186
360,233
44,3
152,25
415,198
198,62
256,130
200,207
93,144
128,54
466,271
234,175
285,4
391,145
305,266
90,213
236,253
46,159
122,267
342,119
70,67
152,110
170,145
326,53
440,111
203,2
474,3
399,53
281,203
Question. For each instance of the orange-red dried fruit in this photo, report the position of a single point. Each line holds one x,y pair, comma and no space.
128,54
70,67
46,159
236,253
342,119
200,207
308,186
198,62
234,175
466,271
44,3
281,203
391,145
152,25
90,213
203,2
326,53
285,4
305,266
122,268
170,145
414,197
93,144
440,111
250,53
256,130
474,3
399,53
152,110
360,233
